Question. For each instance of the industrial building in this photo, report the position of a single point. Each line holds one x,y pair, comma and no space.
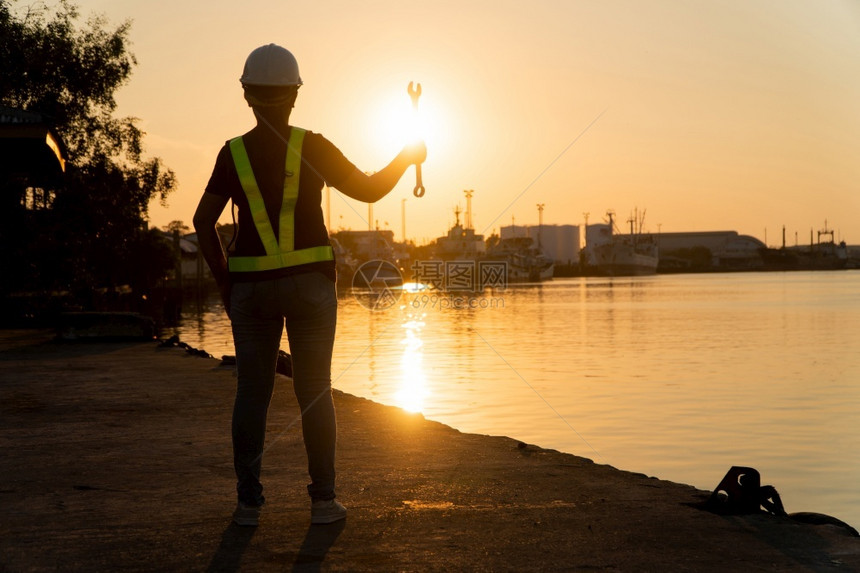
560,242
728,249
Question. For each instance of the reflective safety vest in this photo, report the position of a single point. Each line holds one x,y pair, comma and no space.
280,252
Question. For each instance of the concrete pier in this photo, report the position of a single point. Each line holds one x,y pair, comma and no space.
117,457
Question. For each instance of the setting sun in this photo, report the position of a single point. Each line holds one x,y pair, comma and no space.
715,121
396,123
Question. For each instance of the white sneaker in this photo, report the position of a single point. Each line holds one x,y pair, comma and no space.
327,511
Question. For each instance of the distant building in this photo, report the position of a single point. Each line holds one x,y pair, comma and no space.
368,245
30,146
728,249
192,265
559,242
32,160
32,169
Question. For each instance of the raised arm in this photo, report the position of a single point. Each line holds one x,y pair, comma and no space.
372,188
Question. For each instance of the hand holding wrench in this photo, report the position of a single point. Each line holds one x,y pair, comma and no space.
415,94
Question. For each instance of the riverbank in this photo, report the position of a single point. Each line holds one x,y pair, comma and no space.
117,456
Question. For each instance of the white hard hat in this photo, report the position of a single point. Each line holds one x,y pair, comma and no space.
271,65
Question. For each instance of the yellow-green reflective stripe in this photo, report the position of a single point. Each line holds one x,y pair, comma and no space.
281,260
286,226
279,252
255,198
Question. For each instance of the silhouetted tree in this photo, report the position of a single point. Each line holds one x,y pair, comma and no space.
173,226
70,73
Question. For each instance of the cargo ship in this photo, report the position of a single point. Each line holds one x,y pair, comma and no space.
608,253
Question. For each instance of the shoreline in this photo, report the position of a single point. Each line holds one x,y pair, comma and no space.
119,457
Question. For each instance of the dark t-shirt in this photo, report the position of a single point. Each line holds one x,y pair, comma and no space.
322,163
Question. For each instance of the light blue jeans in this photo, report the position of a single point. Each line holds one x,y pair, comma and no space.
307,304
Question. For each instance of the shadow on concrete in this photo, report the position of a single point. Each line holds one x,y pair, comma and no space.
800,544
318,540
47,347
234,542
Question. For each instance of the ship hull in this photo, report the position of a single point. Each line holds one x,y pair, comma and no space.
517,274
631,270
623,260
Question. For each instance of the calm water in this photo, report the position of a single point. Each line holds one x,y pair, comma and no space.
675,376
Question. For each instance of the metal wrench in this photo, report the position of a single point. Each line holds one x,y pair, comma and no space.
415,94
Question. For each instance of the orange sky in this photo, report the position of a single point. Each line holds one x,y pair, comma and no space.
731,115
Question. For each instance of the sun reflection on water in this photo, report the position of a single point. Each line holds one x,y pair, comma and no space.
413,383
659,376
